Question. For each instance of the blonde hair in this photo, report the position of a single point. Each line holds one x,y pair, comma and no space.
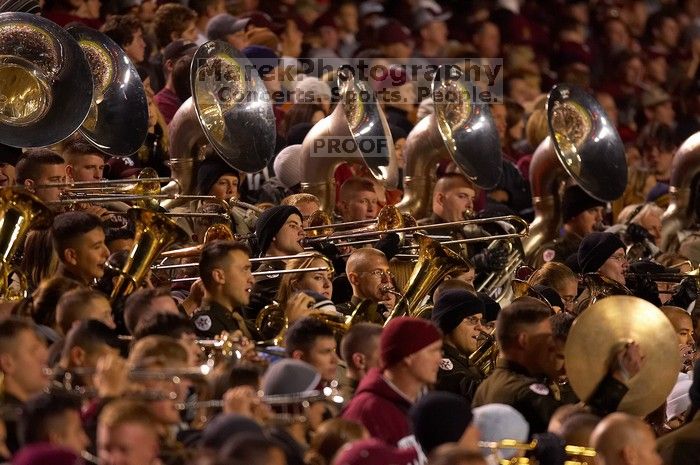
288,281
552,274
157,352
124,411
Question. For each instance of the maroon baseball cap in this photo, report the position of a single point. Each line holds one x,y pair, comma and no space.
372,451
393,32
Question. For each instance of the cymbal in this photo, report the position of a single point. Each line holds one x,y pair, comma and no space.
586,142
598,331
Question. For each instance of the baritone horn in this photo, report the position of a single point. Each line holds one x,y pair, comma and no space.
154,233
19,210
45,82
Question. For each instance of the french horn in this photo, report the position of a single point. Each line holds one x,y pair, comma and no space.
45,82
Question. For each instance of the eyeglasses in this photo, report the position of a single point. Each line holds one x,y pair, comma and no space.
620,258
475,320
380,274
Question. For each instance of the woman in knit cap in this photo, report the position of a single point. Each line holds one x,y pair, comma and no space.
602,253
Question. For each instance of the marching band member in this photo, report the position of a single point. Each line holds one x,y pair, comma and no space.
581,215
459,315
359,349
79,241
370,278
39,167
225,271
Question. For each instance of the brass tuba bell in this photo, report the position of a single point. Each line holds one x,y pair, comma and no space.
118,96
45,82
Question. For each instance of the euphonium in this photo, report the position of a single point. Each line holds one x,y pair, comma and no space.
484,357
18,211
272,323
154,233
434,263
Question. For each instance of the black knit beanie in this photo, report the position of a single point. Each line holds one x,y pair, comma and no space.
576,201
491,307
453,306
270,222
210,170
595,248
439,418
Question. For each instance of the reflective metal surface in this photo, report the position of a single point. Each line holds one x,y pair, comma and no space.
586,142
233,106
603,329
45,83
467,127
22,6
368,127
118,96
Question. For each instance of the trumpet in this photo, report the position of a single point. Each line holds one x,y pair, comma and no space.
497,448
484,357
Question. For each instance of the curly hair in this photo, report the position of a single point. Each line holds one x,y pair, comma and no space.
121,28
171,17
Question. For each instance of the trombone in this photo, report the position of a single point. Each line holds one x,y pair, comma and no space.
252,260
270,274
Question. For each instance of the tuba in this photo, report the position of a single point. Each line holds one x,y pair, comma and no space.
229,109
357,123
118,95
599,287
45,82
19,210
680,213
459,128
154,233
583,143
434,263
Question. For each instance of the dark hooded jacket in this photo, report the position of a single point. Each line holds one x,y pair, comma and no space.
380,408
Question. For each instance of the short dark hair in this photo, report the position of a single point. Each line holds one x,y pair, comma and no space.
163,324
234,374
169,18
43,414
29,166
522,311
121,28
71,306
89,335
200,6
561,325
10,329
303,333
137,302
78,146
68,227
213,255
115,234
357,339
181,76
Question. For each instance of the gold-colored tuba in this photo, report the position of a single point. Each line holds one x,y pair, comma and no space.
19,210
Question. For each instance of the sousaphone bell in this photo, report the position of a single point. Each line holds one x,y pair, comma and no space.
118,96
45,82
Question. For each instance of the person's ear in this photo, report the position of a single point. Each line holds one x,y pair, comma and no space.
440,198
70,171
359,360
297,354
7,363
354,278
77,356
70,256
218,275
29,184
523,340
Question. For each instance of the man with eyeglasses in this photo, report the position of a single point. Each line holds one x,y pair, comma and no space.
458,313
371,280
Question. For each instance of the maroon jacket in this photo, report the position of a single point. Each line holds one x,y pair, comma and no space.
382,410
